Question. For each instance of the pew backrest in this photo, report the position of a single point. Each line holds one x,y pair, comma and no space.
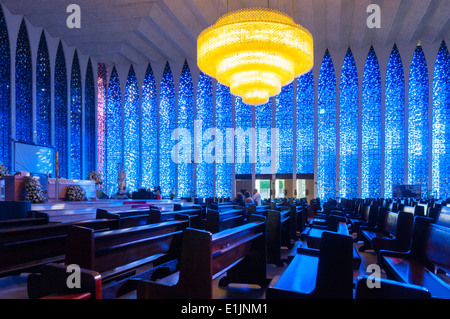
443,216
105,251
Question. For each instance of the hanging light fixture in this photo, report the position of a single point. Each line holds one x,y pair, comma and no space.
255,52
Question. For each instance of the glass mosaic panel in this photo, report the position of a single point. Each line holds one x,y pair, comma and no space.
204,137
61,127
24,87
441,125
167,123
224,154
5,94
131,131
43,94
114,156
186,136
371,128
418,122
76,118
348,128
326,130
101,119
89,121
284,124
263,132
149,133
243,137
305,124
394,132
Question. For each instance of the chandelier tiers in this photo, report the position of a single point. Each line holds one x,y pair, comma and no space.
255,52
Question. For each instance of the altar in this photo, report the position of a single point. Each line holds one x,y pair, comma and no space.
59,186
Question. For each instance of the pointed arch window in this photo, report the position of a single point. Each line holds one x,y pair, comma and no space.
348,128
131,131
326,130
5,94
441,125
24,87
224,152
43,94
394,149
371,128
76,118
149,133
114,156
305,124
205,137
60,105
167,123
418,121
186,133
89,121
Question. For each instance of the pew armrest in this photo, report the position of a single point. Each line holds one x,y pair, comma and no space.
388,289
308,251
53,279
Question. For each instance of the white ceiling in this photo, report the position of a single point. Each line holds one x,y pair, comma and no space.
142,31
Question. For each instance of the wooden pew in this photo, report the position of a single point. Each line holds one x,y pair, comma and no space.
429,253
443,216
323,273
393,232
388,289
313,236
217,221
415,210
51,283
28,248
367,217
280,230
238,251
195,214
33,218
126,218
118,255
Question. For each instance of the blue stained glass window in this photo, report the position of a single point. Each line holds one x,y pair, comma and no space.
149,134
24,87
113,133
204,136
284,121
131,131
89,121
418,121
243,137
43,94
348,128
167,122
61,129
185,124
305,124
326,149
76,118
441,125
224,154
263,130
101,118
394,149
5,94
371,128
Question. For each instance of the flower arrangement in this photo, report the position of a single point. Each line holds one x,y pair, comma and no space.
3,172
95,176
75,192
33,190
172,194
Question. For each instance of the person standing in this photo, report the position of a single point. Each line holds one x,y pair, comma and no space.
256,197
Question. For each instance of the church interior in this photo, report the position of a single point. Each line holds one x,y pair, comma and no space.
226,150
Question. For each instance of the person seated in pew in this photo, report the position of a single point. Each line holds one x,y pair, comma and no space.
158,192
240,199
248,198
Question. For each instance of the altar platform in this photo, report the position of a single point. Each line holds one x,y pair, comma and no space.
69,211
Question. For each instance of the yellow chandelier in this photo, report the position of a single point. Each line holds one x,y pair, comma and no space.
255,52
